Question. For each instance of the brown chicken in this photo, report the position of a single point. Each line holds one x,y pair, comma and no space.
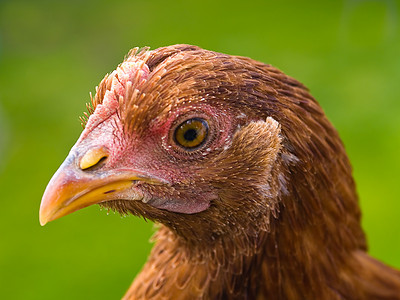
238,163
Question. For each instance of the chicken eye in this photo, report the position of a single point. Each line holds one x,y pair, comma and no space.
192,133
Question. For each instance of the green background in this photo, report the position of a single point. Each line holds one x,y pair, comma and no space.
53,53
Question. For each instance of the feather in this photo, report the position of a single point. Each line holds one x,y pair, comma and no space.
265,207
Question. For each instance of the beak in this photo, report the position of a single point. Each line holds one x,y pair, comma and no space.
73,187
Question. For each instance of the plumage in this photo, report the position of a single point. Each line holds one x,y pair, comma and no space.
263,207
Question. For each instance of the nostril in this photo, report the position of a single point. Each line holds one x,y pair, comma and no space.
93,157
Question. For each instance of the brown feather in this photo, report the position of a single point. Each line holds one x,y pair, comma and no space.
286,224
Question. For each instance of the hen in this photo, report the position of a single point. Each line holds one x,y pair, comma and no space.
238,163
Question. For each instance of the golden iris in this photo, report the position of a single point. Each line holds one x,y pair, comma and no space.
192,133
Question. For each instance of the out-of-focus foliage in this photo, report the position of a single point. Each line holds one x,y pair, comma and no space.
52,53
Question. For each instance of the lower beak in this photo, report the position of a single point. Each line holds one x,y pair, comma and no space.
72,188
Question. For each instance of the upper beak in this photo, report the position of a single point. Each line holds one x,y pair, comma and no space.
73,187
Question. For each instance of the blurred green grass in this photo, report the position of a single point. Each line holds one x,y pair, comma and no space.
52,53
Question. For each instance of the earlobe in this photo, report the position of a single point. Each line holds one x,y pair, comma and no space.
252,166
252,154
259,139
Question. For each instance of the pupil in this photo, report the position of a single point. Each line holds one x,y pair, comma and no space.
190,135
